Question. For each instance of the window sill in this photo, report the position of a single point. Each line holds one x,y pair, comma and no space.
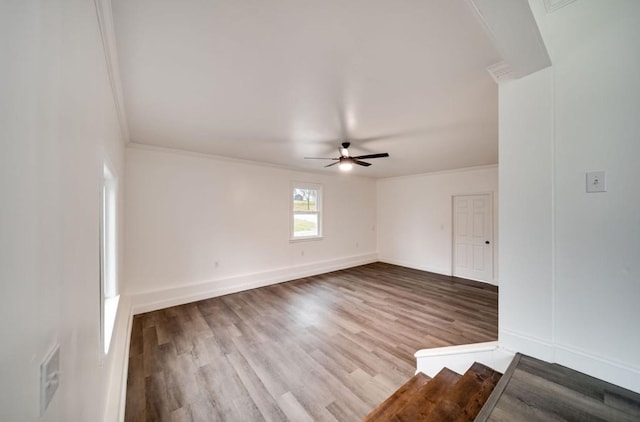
305,239
110,312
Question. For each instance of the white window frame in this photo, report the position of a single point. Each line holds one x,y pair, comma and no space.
109,297
304,185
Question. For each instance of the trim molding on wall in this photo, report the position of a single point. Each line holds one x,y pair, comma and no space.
492,282
158,299
166,150
518,342
433,173
501,72
441,271
617,373
107,33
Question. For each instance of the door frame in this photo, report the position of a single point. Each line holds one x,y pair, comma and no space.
493,223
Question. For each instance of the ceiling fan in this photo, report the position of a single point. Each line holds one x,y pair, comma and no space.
345,161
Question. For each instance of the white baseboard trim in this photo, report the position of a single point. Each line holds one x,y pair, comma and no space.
460,358
436,270
492,282
618,373
159,299
534,347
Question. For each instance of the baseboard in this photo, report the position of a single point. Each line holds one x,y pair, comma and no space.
492,282
159,299
534,347
618,373
436,270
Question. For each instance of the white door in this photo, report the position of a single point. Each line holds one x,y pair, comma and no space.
472,237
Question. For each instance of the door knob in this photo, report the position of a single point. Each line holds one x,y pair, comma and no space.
486,242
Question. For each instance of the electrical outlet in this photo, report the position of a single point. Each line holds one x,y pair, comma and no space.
49,377
596,181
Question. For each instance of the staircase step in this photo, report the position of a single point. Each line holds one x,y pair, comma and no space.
464,400
447,397
413,397
397,400
425,400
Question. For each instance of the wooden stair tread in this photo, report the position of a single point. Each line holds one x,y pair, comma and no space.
398,399
447,397
426,398
464,400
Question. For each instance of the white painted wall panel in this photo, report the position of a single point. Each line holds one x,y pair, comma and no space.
526,189
186,212
597,63
587,317
415,216
57,123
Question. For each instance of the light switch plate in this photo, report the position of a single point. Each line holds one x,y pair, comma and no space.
596,181
49,377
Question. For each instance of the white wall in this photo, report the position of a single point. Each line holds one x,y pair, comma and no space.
526,198
587,304
57,123
415,216
187,212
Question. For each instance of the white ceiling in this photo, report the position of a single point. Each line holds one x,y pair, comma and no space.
277,80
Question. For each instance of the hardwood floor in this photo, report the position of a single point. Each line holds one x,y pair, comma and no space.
324,348
537,391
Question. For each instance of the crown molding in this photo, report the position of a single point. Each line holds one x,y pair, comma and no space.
516,37
104,12
501,72
553,5
434,173
133,145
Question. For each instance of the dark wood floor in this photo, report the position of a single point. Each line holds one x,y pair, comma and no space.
323,348
537,391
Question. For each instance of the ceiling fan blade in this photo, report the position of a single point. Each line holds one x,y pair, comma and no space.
364,157
361,163
332,164
320,158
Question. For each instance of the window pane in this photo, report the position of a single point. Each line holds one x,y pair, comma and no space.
305,199
305,225
108,263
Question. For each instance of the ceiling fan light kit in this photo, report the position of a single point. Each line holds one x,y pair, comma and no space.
345,161
345,164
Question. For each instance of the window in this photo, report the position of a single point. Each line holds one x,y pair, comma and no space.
306,206
108,258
